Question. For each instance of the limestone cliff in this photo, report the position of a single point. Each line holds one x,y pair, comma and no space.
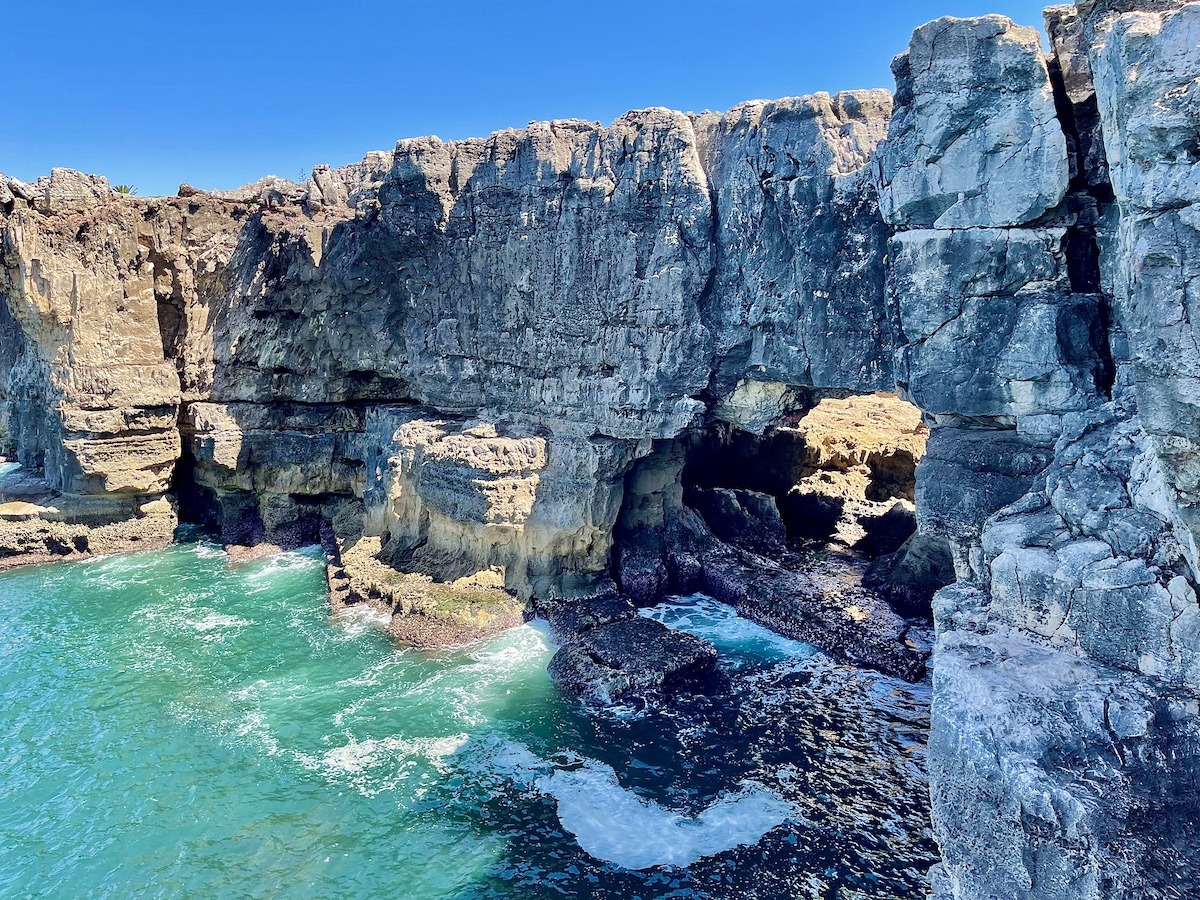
499,364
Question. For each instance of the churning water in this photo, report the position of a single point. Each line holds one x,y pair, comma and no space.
173,726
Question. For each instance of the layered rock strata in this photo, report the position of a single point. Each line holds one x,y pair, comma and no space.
477,368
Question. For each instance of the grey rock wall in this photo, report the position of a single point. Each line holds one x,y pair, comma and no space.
1145,68
797,294
1065,728
463,363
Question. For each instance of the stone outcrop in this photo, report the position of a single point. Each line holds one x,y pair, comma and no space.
481,371
624,655
1065,731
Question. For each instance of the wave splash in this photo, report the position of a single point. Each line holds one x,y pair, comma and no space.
616,825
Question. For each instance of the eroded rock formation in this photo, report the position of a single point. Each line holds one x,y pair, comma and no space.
479,371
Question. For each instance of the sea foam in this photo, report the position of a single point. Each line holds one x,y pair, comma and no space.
616,825
740,641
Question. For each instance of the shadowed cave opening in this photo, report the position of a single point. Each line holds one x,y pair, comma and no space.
841,471
808,527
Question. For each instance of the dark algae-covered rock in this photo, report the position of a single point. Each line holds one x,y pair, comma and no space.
634,656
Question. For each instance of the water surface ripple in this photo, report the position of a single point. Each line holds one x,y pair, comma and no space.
174,726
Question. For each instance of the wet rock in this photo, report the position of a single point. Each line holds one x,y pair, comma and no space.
425,612
747,519
570,618
638,564
910,577
887,532
39,523
632,657
814,514
849,624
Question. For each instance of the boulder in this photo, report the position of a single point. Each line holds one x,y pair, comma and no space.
632,657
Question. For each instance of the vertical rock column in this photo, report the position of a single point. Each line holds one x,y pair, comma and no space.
1145,59
92,402
994,346
1064,747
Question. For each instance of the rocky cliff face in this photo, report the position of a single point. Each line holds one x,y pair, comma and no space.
1064,746
481,370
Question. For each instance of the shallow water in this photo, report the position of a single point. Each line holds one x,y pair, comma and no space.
173,726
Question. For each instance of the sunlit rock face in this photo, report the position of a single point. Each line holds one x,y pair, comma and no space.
472,370
797,293
92,399
1144,65
1067,645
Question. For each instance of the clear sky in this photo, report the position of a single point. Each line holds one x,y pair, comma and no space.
223,92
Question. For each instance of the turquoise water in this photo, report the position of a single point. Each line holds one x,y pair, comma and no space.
171,725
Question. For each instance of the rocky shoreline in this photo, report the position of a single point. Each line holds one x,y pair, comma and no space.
575,360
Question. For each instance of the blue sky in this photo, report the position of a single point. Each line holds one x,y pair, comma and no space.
221,93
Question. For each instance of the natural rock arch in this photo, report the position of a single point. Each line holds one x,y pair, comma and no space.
468,347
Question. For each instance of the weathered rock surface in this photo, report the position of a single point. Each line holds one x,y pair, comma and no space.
798,286
1144,66
960,153
1065,724
850,625
633,656
477,370
1088,775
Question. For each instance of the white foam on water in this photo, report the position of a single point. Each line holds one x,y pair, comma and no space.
732,634
252,727
378,765
250,691
514,649
304,558
617,826
470,686
358,756
362,618
205,550
389,672
216,620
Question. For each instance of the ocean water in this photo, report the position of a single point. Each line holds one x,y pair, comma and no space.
173,726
